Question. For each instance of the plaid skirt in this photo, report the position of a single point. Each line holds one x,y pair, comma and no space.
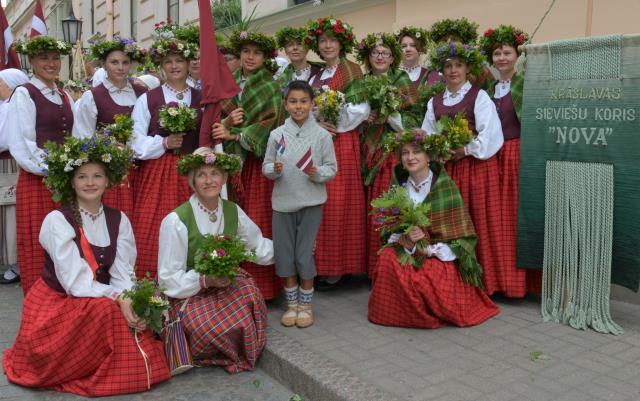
158,190
226,326
431,297
81,346
341,243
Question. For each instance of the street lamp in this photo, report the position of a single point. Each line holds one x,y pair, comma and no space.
72,32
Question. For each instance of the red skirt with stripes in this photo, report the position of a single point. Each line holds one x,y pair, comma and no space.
341,243
226,326
120,197
431,297
255,200
81,346
513,282
479,185
379,186
158,190
33,203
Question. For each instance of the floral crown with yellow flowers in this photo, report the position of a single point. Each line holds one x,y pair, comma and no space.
502,35
230,163
466,53
330,26
61,159
101,49
41,44
366,46
416,33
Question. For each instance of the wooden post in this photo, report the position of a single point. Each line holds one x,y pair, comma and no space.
109,19
589,24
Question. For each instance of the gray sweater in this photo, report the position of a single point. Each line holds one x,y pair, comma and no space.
294,189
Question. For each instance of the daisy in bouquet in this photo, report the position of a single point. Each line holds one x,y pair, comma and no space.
220,256
177,118
121,129
328,104
148,302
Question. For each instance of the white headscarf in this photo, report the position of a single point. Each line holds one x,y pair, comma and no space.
13,77
149,80
98,77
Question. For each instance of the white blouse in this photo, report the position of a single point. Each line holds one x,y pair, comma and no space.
174,241
57,237
489,139
502,89
145,146
85,114
21,126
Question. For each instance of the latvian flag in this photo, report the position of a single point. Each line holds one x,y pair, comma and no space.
280,146
38,26
306,162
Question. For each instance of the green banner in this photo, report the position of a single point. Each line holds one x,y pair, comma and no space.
582,103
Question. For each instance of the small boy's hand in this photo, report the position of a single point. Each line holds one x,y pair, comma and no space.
277,167
312,171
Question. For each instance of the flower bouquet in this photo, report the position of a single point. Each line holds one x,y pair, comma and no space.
177,118
456,130
329,103
121,129
395,213
384,98
148,302
221,255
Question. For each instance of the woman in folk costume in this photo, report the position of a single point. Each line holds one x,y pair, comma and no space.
340,242
38,112
292,41
248,120
501,49
413,42
10,78
444,288
158,187
115,95
380,54
474,166
224,322
76,331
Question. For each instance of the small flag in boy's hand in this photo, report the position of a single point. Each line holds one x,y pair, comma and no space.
306,162
280,146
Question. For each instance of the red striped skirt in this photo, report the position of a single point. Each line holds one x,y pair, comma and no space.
341,243
226,326
432,297
120,197
256,202
158,190
379,186
81,346
33,203
479,185
514,282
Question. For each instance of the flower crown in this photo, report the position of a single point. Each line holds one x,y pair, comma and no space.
502,35
76,85
163,47
164,30
288,34
418,34
468,54
62,159
101,49
264,42
462,29
230,163
41,44
372,40
188,33
342,31
435,145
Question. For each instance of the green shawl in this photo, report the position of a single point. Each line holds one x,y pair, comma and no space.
263,111
517,84
287,74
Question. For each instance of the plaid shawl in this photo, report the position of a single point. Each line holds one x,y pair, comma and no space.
263,111
287,74
347,74
517,84
450,222
373,134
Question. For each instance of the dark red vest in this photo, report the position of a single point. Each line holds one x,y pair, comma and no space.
508,117
467,105
107,108
432,78
105,256
53,121
155,101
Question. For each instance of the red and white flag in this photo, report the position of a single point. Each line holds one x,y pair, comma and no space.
38,27
306,162
8,56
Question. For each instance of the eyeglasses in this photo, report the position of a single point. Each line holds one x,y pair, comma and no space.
380,54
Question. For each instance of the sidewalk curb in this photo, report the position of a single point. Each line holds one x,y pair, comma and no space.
313,376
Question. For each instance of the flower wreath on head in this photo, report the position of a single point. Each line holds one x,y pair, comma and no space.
188,33
468,54
41,44
366,45
230,163
461,28
334,27
435,145
163,47
418,34
265,43
288,34
502,35
62,159
164,30
100,49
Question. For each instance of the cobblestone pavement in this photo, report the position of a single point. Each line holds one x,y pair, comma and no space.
514,356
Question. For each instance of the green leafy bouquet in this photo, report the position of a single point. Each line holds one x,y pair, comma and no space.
395,213
426,92
121,128
383,97
147,302
221,255
457,130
